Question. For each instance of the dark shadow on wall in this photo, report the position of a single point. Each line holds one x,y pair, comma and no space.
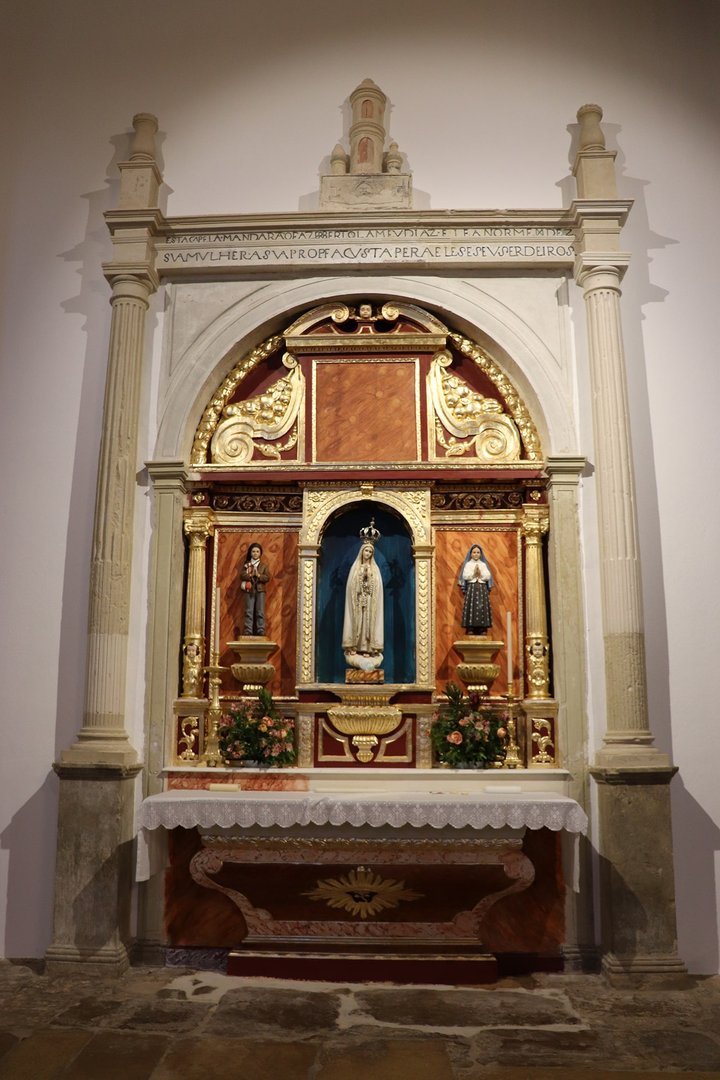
30,840
638,290
695,845
92,302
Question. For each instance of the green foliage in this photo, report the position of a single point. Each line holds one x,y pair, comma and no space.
258,733
465,736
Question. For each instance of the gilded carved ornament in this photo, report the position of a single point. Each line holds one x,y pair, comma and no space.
267,416
213,411
515,406
469,416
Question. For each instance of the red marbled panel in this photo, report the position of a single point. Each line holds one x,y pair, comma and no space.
365,411
501,552
280,553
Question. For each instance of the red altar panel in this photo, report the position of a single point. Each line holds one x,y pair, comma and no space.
280,553
365,410
501,552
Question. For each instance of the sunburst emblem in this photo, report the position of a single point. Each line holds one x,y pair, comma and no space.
362,893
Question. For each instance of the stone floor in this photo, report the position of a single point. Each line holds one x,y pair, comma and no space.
176,1024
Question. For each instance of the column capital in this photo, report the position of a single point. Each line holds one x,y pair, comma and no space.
535,522
565,470
600,270
167,474
199,524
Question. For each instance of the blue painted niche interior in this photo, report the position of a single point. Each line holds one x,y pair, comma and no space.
393,554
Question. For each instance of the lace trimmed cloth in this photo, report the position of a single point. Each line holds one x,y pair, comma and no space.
285,809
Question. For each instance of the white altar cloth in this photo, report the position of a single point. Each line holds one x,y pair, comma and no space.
285,809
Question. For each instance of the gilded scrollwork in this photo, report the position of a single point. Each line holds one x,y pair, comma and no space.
514,404
543,741
188,738
476,423
260,421
213,412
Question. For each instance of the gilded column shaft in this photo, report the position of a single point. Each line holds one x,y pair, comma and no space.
537,648
113,531
198,528
619,557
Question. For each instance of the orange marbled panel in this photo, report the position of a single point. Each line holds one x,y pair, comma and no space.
501,552
246,779
280,553
366,411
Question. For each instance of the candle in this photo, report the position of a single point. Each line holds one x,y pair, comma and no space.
509,653
217,623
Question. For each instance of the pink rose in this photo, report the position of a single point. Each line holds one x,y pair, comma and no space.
464,722
455,737
501,732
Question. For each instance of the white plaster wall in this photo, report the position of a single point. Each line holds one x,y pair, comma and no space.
249,99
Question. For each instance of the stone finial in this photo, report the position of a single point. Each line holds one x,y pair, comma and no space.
591,134
338,161
594,168
140,177
143,145
369,178
367,131
393,159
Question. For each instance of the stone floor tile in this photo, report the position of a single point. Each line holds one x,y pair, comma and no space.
89,1012
279,1011
115,1055
461,1008
382,1060
44,1055
228,1059
174,1017
7,1041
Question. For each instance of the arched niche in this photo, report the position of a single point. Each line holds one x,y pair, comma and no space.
322,507
339,545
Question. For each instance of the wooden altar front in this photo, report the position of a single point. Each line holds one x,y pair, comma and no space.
366,884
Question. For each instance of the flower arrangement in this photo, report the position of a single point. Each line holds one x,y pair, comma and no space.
257,733
465,736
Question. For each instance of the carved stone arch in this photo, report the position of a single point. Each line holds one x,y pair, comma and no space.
536,365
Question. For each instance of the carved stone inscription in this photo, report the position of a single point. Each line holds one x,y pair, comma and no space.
359,246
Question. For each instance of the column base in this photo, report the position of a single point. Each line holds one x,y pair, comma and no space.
93,869
653,970
76,960
637,883
581,958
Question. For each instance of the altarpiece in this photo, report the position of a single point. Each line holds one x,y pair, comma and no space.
366,374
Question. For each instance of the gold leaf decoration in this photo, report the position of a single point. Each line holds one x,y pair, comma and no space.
362,892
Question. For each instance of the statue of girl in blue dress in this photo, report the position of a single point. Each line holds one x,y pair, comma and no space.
476,580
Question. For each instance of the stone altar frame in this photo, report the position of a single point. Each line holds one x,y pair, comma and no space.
151,250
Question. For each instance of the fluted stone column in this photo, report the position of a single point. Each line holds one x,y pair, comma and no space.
638,916
103,739
93,879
